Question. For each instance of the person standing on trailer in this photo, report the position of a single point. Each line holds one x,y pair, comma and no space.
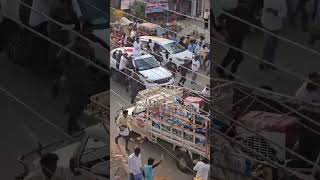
195,69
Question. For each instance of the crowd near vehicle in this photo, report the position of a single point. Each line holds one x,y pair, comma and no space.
146,66
171,114
177,53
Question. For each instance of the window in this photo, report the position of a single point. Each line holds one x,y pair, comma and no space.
174,48
146,63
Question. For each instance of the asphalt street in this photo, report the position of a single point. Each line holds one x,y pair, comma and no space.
120,98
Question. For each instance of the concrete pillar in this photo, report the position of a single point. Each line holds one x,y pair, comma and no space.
193,8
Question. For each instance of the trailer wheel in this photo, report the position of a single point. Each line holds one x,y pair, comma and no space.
183,161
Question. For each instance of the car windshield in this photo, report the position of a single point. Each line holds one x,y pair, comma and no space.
146,63
174,48
95,12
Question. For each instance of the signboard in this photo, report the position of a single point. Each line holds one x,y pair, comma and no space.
156,6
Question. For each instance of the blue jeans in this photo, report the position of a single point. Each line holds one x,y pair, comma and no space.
136,177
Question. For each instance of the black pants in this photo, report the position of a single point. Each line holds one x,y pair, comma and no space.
233,56
182,80
206,23
126,138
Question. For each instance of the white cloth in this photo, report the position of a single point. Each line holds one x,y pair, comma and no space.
195,65
133,34
271,21
151,45
136,48
123,63
134,164
206,91
197,51
202,170
206,15
124,132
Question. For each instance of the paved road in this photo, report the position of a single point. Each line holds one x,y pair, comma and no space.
168,167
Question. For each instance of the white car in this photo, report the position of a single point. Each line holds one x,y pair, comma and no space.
178,53
147,67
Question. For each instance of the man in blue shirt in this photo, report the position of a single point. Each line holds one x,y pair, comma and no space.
148,168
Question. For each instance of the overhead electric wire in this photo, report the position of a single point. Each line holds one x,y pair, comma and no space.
272,34
181,14
174,156
160,27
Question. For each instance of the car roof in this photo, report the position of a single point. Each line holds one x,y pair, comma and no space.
159,40
129,51
149,25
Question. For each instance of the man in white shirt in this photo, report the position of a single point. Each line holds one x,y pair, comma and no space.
202,168
122,66
135,165
273,15
206,15
195,68
136,48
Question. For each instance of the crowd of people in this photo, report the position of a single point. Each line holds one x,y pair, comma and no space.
273,16
128,36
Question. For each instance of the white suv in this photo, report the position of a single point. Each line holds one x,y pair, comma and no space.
148,68
178,53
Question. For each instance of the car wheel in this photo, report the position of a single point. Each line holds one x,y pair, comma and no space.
183,162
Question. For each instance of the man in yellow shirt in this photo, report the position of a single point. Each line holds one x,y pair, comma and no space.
122,123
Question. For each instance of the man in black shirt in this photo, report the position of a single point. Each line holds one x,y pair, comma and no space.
236,32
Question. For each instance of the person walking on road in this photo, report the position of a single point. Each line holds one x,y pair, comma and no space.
195,68
183,72
77,76
202,168
135,165
236,32
122,123
206,15
148,169
273,17
136,86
